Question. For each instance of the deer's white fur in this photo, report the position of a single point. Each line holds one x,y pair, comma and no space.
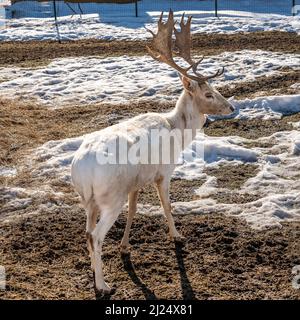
104,188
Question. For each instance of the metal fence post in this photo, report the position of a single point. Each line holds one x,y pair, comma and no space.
136,8
293,7
55,18
216,8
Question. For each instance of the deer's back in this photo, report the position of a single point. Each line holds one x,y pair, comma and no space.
96,164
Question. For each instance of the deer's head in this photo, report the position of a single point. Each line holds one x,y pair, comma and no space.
207,99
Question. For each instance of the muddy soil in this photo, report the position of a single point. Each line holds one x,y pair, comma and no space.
221,258
45,255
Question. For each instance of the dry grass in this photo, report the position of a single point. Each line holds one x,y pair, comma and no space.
45,254
278,84
27,125
37,53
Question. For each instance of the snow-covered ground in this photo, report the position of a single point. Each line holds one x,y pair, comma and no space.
7,171
2,16
276,183
86,80
115,21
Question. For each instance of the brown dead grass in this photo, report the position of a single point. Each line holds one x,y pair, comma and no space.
45,255
273,85
233,177
27,125
249,129
37,53
46,258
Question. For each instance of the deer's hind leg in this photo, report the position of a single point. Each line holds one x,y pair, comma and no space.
108,217
92,213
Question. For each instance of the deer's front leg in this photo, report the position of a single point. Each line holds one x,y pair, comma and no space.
163,193
132,202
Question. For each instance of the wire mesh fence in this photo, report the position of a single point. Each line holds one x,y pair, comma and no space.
42,8
134,14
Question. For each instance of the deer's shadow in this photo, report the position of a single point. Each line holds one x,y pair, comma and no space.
128,266
187,290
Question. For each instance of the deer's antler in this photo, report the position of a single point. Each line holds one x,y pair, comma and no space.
162,47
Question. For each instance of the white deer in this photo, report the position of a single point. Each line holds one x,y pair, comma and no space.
105,187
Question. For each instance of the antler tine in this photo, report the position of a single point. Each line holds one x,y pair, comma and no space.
217,74
182,19
189,21
195,65
170,16
160,18
161,45
162,41
153,34
183,40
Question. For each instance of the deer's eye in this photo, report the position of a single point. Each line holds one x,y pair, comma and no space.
208,95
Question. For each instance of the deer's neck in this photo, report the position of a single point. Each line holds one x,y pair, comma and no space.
186,116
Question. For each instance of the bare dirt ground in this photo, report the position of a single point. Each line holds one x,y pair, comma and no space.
46,258
35,53
222,258
45,255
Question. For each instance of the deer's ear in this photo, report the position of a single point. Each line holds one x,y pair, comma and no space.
187,83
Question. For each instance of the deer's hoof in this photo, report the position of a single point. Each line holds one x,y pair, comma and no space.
178,238
104,294
105,290
125,249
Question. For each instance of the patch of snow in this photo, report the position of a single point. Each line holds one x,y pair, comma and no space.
212,150
56,157
14,198
7,172
296,85
268,211
115,21
265,108
295,125
276,184
87,80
